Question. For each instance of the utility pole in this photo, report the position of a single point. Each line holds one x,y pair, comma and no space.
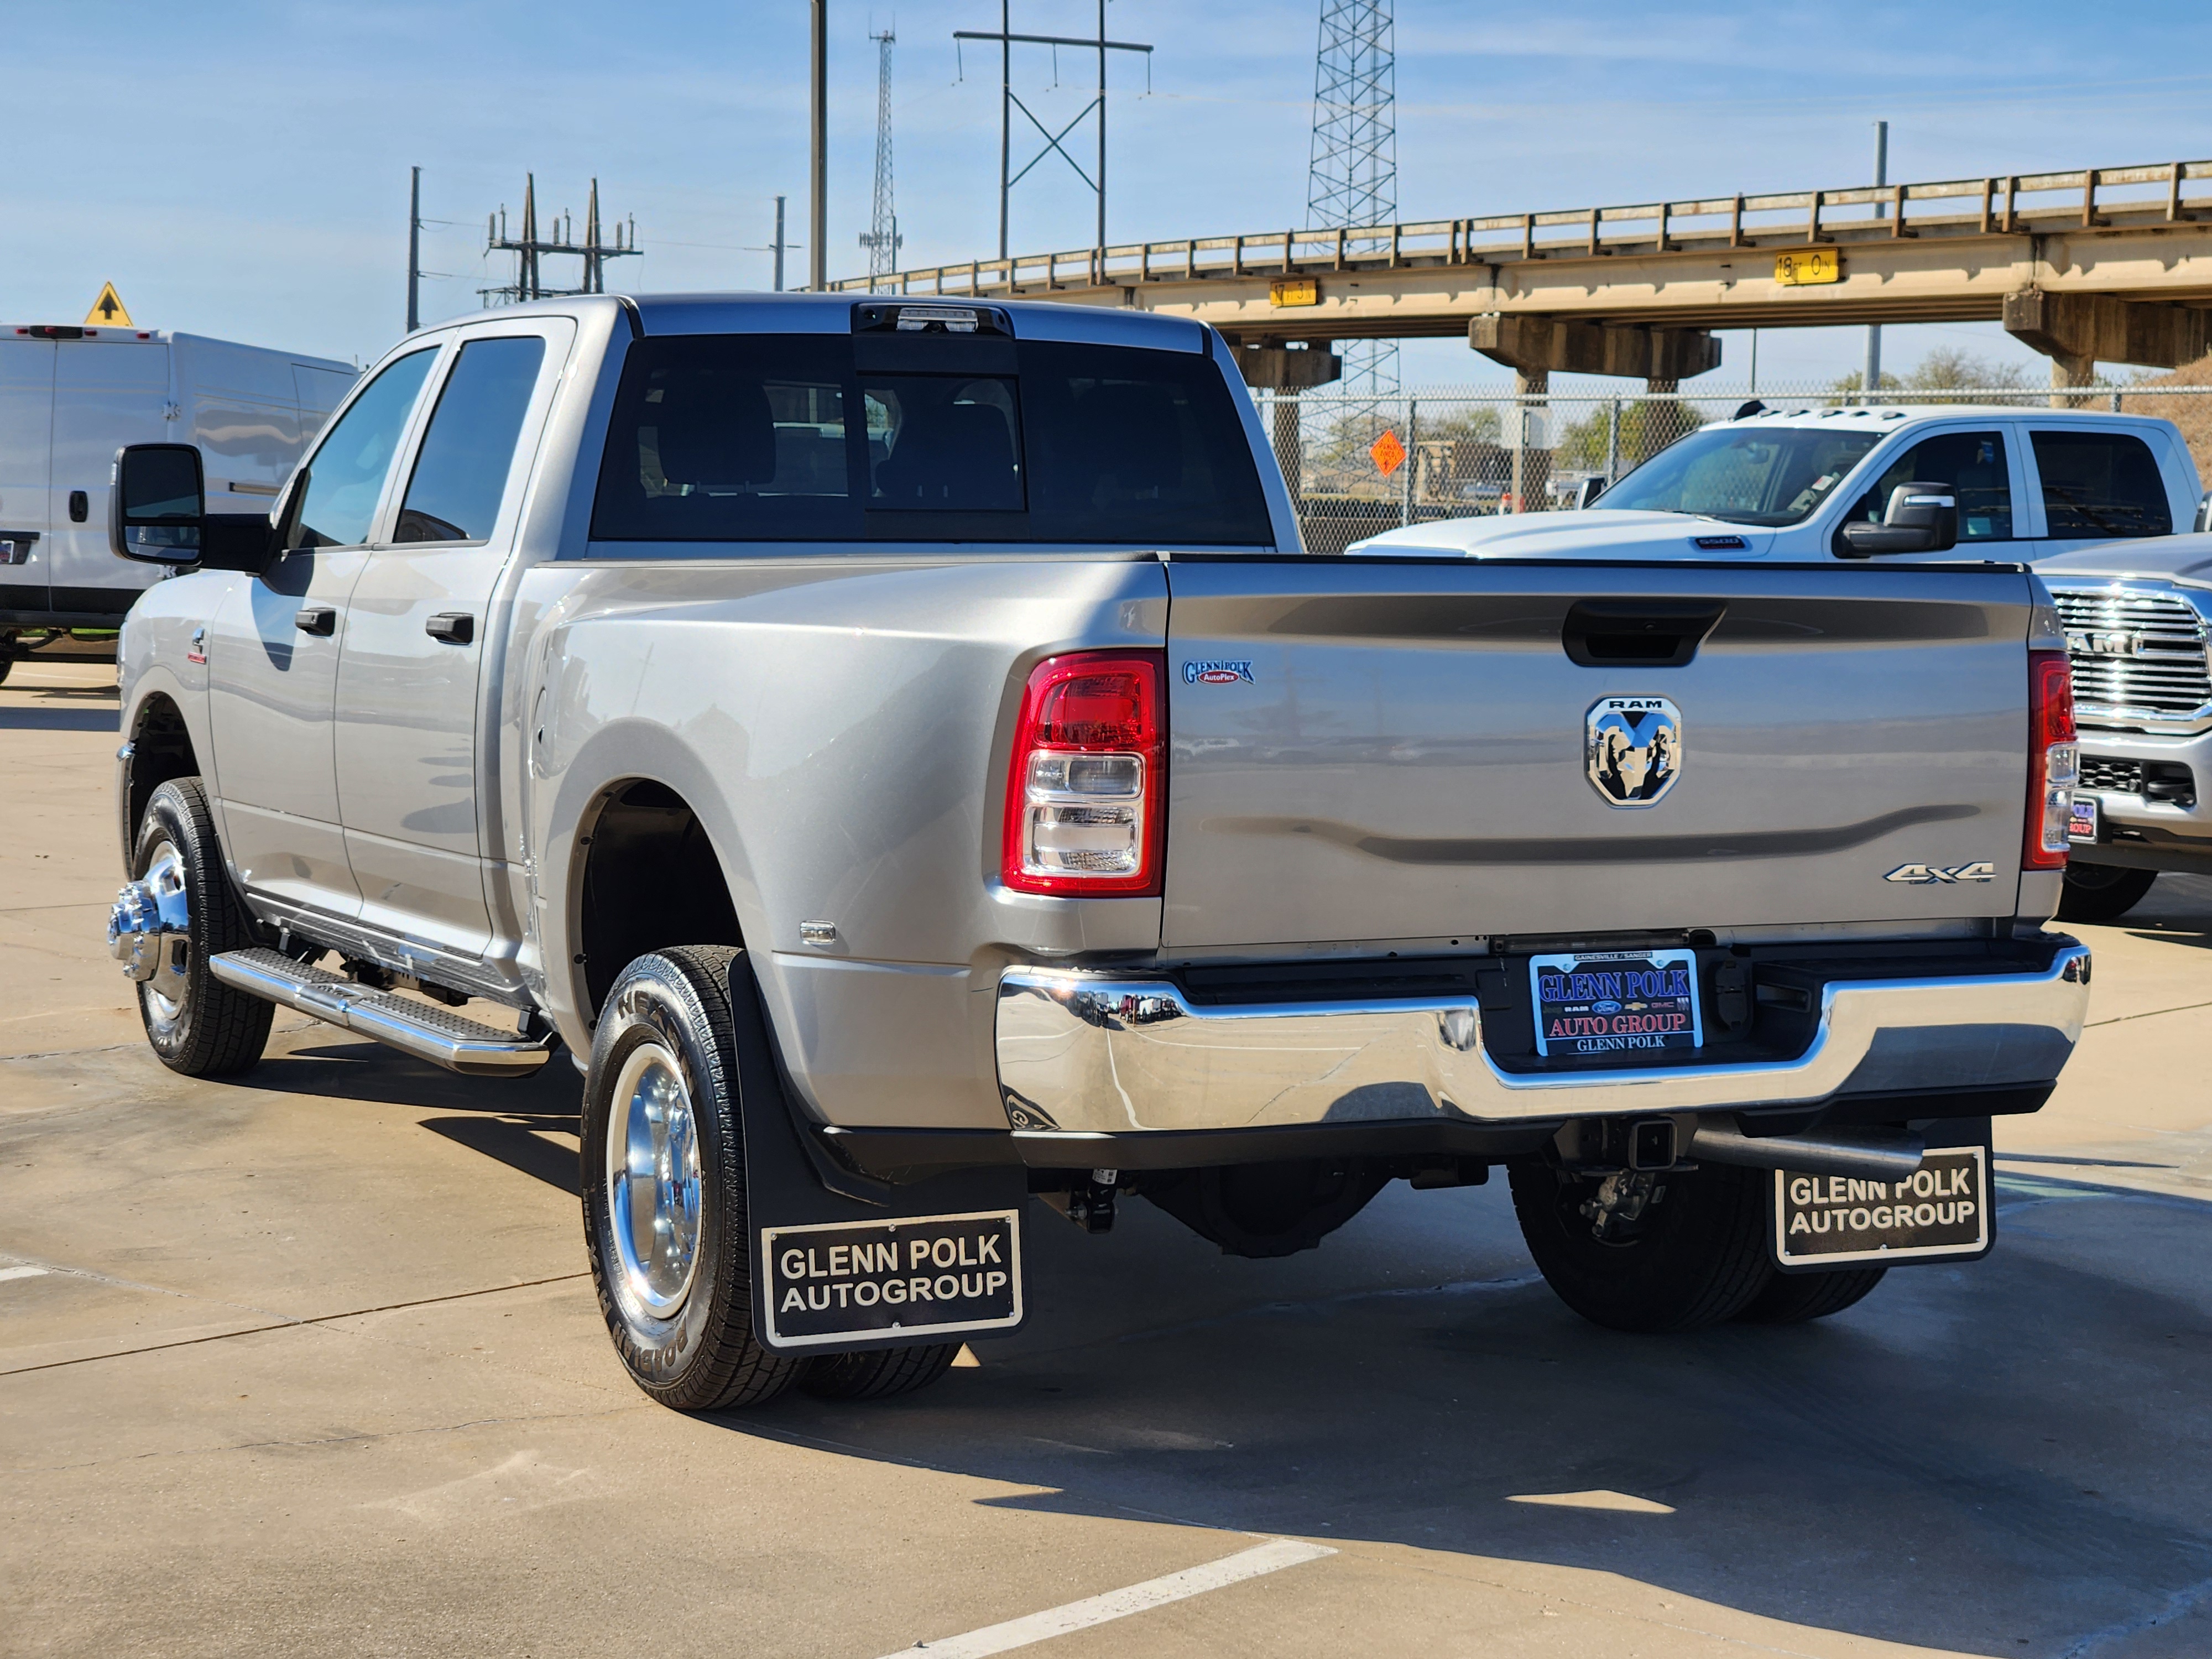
1871,380
776,245
818,148
414,250
1009,102
882,237
1352,177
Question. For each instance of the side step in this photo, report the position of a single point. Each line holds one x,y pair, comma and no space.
436,1035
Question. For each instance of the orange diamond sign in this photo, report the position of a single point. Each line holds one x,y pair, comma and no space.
1387,454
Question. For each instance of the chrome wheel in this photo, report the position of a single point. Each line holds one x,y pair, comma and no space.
169,988
652,1184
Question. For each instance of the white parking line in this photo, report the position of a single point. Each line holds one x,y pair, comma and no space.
22,1270
1271,1557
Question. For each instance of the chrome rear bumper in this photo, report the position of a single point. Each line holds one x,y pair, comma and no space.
1097,1054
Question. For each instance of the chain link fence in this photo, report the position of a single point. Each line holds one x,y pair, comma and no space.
1360,464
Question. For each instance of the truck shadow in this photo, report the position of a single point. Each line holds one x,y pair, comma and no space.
2005,1458
59,720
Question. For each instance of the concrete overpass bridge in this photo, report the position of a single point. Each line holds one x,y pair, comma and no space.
2107,264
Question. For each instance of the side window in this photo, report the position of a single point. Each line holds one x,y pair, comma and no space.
346,475
1972,463
2100,484
460,473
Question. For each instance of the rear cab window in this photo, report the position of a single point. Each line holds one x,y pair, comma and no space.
2099,484
897,435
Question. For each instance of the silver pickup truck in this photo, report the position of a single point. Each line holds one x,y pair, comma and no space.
900,751
2138,616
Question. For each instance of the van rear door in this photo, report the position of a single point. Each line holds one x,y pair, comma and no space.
27,419
107,392
1375,752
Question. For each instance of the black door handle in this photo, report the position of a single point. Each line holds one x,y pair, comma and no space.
317,619
454,626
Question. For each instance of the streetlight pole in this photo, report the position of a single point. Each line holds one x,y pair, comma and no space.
1870,381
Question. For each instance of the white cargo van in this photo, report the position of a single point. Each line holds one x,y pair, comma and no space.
70,398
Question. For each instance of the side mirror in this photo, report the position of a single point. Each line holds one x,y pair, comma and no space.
157,515
1588,491
157,509
2203,514
1922,518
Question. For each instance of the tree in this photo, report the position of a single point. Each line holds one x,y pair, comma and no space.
1947,368
1647,426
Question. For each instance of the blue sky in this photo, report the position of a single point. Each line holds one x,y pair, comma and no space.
242,169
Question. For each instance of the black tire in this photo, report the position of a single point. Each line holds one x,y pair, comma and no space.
212,1031
2101,892
1792,1298
685,1338
879,1375
1696,1257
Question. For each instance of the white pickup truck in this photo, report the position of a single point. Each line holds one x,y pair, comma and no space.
1791,483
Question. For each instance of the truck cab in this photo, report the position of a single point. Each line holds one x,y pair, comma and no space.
1787,483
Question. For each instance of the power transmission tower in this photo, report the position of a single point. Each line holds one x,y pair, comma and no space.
1009,102
1352,181
529,247
882,237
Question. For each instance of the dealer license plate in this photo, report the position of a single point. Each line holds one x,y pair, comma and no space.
2082,824
1826,1221
936,1275
1621,1003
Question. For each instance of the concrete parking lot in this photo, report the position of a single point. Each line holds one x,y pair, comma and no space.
308,1363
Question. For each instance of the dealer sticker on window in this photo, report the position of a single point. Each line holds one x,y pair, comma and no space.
1942,1209
937,1275
1620,1002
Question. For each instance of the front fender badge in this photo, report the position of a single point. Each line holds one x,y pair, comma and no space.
1632,749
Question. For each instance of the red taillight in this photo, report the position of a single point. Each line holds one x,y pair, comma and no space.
1085,790
2053,759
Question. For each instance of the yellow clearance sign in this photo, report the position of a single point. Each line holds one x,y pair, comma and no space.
1806,266
107,310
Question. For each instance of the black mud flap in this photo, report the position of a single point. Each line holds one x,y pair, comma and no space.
842,1263
1945,1213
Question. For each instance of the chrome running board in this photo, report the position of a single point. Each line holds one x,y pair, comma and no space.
436,1035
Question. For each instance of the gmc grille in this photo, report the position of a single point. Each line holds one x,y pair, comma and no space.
2136,653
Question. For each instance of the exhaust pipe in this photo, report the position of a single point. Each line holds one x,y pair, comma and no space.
1863,1154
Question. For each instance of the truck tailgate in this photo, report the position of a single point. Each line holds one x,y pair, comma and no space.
1375,750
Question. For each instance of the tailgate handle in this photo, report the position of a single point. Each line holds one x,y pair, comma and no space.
1638,633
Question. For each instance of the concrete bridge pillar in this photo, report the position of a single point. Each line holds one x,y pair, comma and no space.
2077,332
1565,346
1276,367
1532,461
1535,347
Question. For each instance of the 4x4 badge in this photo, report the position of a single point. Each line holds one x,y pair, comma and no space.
1924,875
